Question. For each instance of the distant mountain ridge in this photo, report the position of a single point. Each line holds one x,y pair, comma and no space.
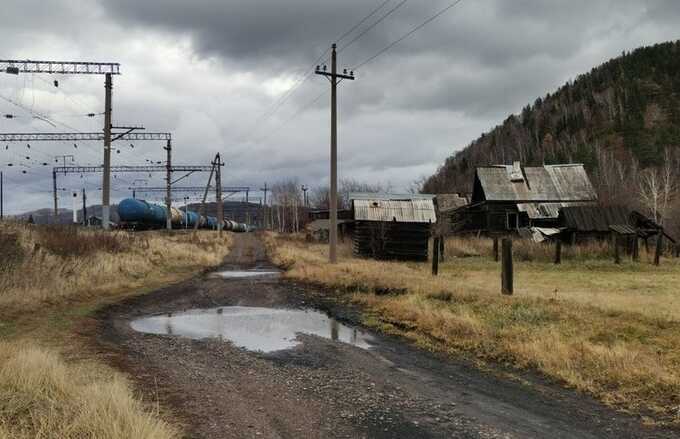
628,106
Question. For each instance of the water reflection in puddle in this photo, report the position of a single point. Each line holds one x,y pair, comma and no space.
244,274
256,329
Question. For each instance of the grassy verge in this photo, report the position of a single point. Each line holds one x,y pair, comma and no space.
51,382
612,331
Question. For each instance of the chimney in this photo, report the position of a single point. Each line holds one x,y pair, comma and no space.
516,172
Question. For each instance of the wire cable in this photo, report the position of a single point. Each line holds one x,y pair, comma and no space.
407,34
377,22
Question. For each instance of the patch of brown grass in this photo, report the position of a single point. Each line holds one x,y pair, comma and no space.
41,396
55,264
51,279
610,330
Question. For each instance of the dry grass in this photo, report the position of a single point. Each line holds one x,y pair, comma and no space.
51,279
51,265
43,397
612,331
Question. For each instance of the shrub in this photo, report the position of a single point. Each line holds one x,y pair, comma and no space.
72,241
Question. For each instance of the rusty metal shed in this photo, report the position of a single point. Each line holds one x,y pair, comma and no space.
392,226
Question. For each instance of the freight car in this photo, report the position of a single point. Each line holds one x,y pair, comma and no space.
141,215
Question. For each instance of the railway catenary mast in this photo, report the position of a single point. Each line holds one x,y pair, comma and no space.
127,135
15,67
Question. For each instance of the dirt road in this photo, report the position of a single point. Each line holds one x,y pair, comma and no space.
329,389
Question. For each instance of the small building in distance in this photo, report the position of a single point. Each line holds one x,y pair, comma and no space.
507,198
392,226
445,205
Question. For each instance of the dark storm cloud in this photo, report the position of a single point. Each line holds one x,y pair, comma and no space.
207,70
482,57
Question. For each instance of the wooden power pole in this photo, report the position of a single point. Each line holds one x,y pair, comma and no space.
333,77
264,206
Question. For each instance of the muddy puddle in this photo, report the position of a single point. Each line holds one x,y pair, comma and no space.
256,329
238,274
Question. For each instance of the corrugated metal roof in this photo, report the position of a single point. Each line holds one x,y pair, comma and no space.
594,218
447,202
549,183
388,196
540,234
545,210
623,229
403,211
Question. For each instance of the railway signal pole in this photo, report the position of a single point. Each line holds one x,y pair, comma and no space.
333,77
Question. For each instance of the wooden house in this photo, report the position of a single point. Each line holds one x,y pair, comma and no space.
389,226
507,198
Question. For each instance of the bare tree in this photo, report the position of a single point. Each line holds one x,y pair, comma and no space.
320,195
287,198
657,188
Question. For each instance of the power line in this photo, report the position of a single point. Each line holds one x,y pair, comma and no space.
363,20
378,21
407,34
282,100
294,116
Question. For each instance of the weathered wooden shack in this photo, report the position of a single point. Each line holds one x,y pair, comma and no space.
392,226
581,223
507,198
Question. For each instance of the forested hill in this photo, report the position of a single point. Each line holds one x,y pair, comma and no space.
628,107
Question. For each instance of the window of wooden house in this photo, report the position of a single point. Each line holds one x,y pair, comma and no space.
512,221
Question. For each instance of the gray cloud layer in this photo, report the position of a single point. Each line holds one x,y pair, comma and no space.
207,70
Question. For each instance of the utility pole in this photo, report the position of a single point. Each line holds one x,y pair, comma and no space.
168,183
75,208
106,178
333,214
304,195
84,208
218,192
264,205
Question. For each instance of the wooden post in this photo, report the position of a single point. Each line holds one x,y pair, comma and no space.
558,252
495,248
506,271
435,257
617,254
659,247
441,248
636,249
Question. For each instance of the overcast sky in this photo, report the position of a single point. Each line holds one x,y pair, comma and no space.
212,71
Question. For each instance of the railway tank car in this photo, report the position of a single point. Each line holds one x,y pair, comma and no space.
141,215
